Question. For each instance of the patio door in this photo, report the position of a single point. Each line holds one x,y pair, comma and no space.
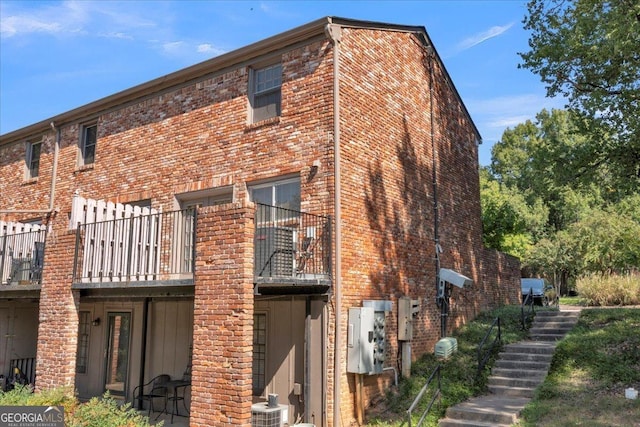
118,343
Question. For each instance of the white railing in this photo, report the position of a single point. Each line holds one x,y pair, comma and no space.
21,252
129,243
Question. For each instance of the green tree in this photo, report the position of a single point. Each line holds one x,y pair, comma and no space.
541,159
510,224
587,51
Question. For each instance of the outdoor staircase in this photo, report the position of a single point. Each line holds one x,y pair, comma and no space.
520,368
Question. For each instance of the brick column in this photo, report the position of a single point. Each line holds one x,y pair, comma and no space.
58,328
223,317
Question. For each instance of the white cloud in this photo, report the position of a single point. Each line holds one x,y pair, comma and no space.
494,115
12,25
71,18
118,35
209,49
510,121
173,47
483,36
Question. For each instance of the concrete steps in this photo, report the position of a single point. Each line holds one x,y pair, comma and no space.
519,370
552,326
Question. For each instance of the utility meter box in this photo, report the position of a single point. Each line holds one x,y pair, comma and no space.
407,309
366,341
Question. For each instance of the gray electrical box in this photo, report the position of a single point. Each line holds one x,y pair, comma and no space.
407,309
405,319
360,340
366,342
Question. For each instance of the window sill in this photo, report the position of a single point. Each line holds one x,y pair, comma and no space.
262,123
30,181
83,168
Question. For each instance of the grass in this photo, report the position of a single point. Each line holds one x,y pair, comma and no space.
574,301
590,371
459,378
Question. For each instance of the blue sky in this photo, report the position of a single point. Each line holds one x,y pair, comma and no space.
59,55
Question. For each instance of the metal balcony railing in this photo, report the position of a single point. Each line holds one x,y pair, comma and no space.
291,245
157,246
22,258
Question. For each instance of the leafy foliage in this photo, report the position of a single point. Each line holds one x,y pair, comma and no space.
587,51
609,289
97,412
540,203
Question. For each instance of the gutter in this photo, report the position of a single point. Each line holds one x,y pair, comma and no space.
54,174
334,33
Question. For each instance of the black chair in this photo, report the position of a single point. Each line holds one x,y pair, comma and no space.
179,391
154,389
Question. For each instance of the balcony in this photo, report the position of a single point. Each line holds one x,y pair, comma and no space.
292,251
154,247
21,258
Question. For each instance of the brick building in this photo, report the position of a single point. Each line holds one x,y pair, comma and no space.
219,223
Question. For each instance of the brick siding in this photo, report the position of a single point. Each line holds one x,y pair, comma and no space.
196,137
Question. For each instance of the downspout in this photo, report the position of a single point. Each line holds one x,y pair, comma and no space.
54,169
334,33
54,172
143,350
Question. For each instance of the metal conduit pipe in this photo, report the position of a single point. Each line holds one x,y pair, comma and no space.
334,32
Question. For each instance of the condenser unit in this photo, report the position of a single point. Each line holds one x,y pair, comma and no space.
262,415
20,271
274,251
446,347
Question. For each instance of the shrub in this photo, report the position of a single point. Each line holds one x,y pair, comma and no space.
106,412
98,412
610,289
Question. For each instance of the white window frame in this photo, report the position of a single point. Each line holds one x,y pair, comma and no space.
29,159
264,85
82,158
273,184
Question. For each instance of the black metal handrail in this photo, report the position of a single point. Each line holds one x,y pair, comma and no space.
291,244
157,246
527,310
22,257
436,394
485,354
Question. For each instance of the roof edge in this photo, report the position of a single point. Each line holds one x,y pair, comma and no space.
175,78
275,42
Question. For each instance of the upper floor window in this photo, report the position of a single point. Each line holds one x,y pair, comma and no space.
282,194
88,140
32,159
265,95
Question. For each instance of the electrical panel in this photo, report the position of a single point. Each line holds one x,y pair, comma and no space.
407,309
379,341
366,342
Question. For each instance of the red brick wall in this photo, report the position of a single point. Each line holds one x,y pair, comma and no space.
388,198
58,329
223,317
197,137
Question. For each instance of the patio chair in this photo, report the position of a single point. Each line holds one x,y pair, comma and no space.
179,391
154,389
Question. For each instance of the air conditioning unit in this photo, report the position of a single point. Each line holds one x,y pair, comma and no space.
446,347
20,271
274,251
264,416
